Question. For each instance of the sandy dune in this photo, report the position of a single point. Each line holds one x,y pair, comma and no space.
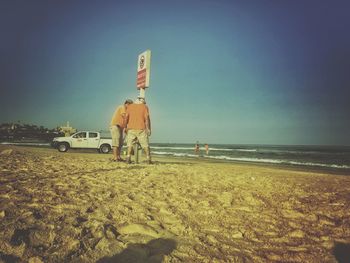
80,207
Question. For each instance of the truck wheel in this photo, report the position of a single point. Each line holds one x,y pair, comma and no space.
105,148
63,147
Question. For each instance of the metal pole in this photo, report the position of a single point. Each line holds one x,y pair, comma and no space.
142,93
136,146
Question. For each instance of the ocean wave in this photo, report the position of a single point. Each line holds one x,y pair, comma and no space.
279,161
172,148
322,151
245,150
256,160
174,154
231,150
203,149
321,164
293,151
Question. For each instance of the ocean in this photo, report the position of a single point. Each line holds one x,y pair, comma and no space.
325,157
333,157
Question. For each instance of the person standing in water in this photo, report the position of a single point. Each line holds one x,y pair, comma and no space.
206,146
196,148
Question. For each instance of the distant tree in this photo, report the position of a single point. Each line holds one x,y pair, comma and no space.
19,131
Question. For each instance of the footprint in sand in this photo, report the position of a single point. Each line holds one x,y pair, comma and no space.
162,213
138,229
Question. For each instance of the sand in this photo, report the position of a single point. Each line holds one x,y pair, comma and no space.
81,207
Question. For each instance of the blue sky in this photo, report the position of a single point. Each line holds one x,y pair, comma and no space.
240,72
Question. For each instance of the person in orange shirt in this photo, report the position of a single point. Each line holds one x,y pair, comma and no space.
138,127
117,126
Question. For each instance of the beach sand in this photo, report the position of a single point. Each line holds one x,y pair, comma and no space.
81,207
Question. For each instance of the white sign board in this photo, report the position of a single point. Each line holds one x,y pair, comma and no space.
143,69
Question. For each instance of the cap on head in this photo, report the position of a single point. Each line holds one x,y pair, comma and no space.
128,101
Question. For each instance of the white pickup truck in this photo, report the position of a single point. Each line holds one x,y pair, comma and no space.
83,139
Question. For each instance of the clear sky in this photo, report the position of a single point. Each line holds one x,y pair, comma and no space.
238,72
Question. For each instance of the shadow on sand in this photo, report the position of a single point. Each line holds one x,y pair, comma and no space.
152,252
341,252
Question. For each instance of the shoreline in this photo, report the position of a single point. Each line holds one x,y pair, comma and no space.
81,207
290,167
204,159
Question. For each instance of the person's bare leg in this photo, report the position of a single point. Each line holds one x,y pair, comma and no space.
148,154
118,153
128,157
115,153
121,142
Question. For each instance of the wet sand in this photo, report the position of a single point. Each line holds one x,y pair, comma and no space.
81,207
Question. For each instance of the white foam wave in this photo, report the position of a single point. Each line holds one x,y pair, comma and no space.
256,160
203,149
322,165
172,148
278,161
174,154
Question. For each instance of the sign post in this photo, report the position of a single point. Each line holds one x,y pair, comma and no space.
143,76
143,72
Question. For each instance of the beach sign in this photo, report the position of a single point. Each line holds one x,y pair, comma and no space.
143,69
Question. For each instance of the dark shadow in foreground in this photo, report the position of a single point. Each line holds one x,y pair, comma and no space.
152,252
9,258
341,252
